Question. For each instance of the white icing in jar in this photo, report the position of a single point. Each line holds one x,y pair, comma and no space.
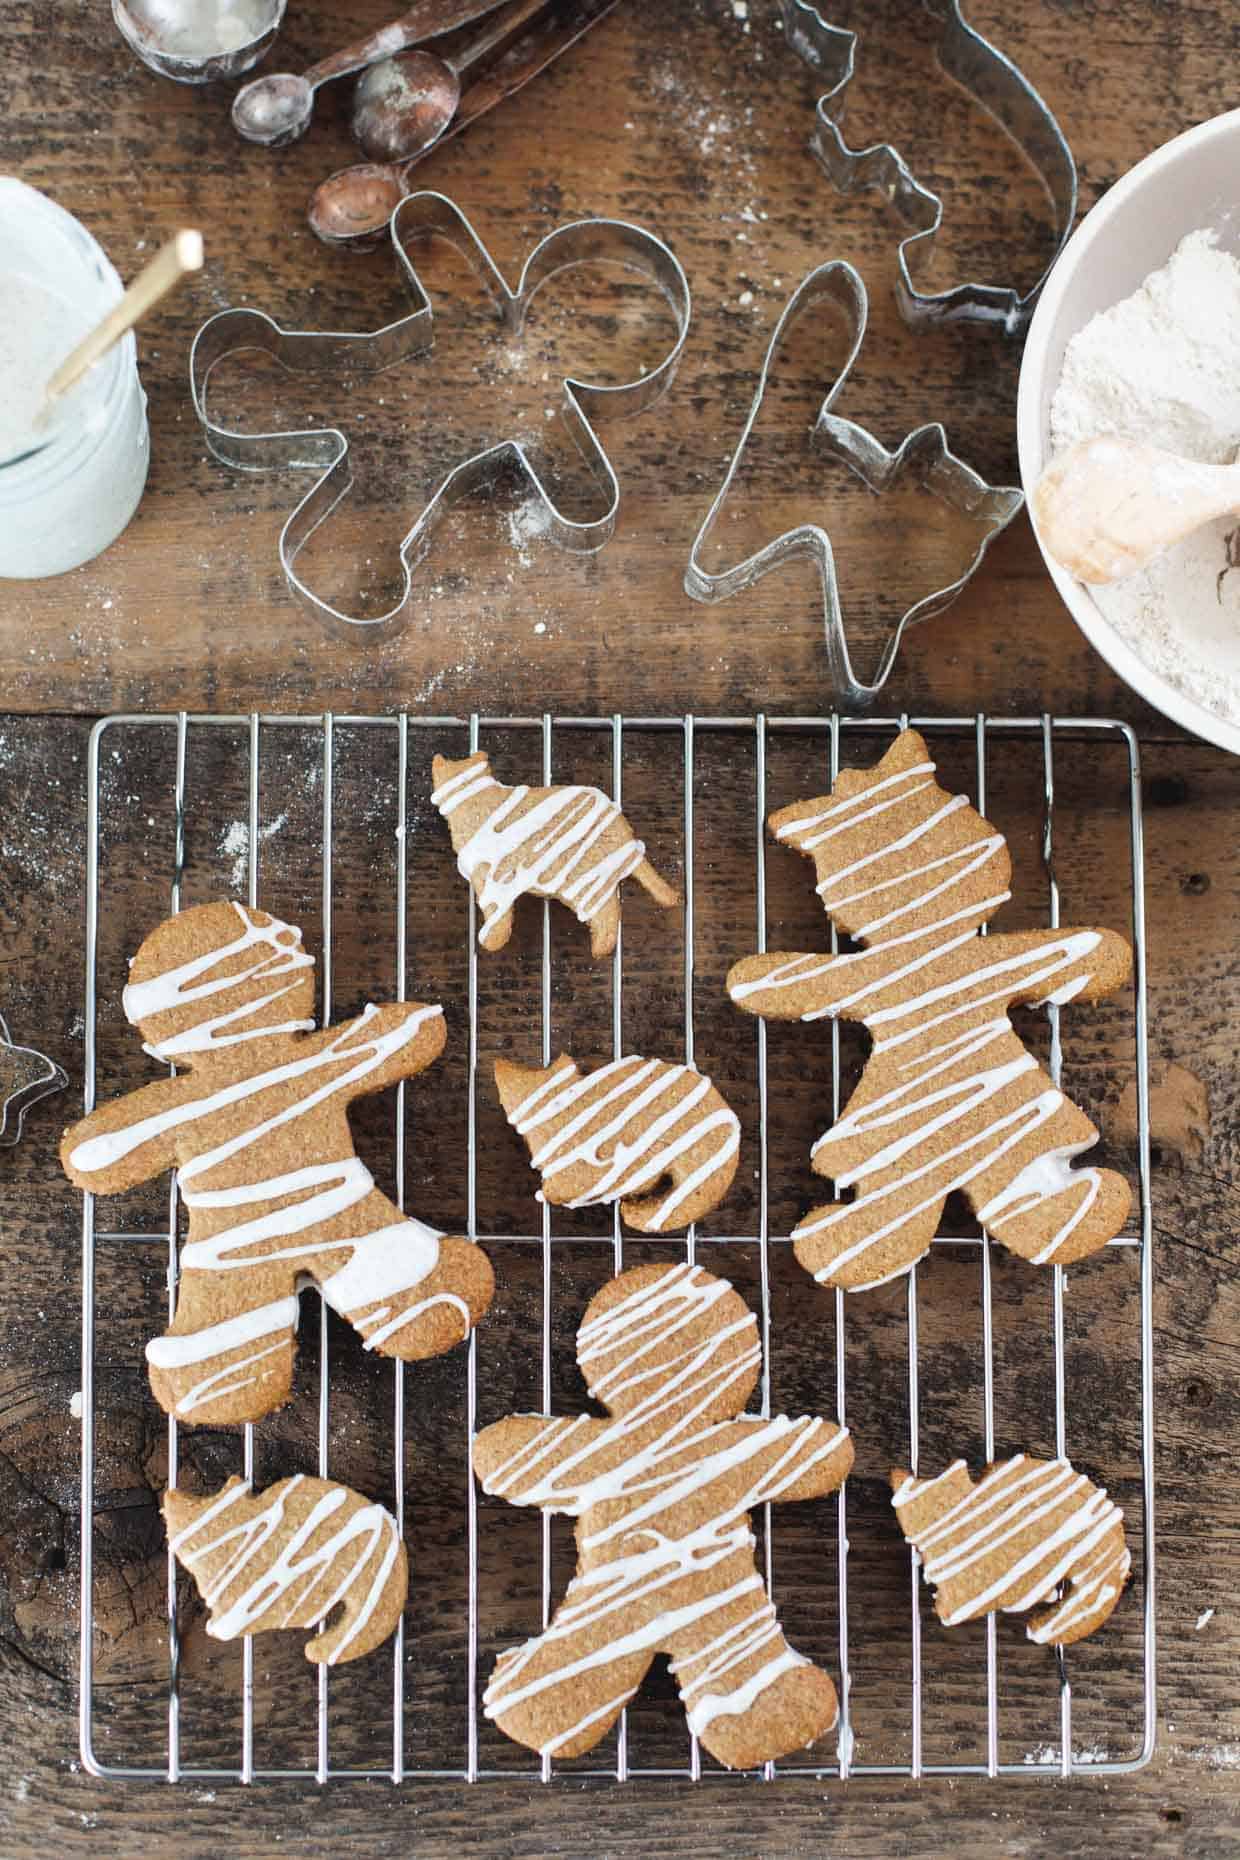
69,489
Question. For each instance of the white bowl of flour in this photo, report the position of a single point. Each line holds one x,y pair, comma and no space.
1138,332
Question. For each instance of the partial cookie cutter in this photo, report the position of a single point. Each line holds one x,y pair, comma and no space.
1002,90
325,450
45,1078
924,452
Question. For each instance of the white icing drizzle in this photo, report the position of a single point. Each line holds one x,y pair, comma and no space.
302,1579
278,954
626,1154
929,1123
547,841
648,1467
384,1263
216,1340
1078,1547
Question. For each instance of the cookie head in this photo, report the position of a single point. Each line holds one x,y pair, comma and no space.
896,855
455,782
215,977
666,1340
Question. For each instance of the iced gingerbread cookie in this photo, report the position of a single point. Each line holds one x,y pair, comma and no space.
624,1133
303,1551
567,843
256,1124
950,1097
1029,1532
662,1492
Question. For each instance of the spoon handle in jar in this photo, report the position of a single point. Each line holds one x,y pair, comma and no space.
182,253
427,20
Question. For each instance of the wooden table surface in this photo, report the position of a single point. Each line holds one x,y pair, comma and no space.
690,119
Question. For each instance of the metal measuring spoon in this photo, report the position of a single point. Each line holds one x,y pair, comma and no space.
402,105
353,206
276,109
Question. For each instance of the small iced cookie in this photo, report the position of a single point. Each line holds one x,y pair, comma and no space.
256,1124
623,1133
567,843
1029,1532
303,1551
662,1493
950,1097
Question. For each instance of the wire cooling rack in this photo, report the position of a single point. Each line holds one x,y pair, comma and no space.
245,1738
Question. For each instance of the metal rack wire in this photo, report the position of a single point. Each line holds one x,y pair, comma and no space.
822,738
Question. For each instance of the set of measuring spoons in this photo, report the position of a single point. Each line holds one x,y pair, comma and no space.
408,97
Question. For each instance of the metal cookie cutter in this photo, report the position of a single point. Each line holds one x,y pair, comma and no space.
325,450
25,1077
924,455
1002,90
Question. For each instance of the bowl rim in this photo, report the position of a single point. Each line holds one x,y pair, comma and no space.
1030,401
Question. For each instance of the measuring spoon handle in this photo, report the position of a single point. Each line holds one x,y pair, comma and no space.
425,21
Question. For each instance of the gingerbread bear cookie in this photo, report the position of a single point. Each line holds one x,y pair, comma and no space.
569,843
1029,1532
256,1124
950,1098
622,1133
290,1557
662,1493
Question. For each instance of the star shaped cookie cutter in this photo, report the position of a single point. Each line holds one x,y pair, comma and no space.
325,450
923,453
26,1076
1002,90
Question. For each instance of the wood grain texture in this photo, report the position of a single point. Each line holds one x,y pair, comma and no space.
668,116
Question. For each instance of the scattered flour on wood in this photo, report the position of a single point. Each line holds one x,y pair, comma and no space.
235,845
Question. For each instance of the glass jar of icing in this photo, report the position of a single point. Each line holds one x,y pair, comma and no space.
67,487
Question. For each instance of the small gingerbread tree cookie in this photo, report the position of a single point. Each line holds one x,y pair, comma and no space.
662,1493
657,1138
256,1124
1029,1532
569,843
950,1098
304,1551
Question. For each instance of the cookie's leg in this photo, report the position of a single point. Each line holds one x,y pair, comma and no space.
226,1358
496,930
861,1243
605,927
401,1305
747,1694
537,1698
1052,1214
658,887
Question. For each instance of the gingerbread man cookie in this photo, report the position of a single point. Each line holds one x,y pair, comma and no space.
290,1557
950,1097
256,1124
662,1493
567,843
622,1134
1030,1531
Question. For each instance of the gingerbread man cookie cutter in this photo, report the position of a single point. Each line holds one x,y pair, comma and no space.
1001,89
924,453
325,450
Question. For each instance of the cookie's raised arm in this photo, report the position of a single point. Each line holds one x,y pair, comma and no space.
538,1459
397,1041
126,1141
1063,965
782,986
